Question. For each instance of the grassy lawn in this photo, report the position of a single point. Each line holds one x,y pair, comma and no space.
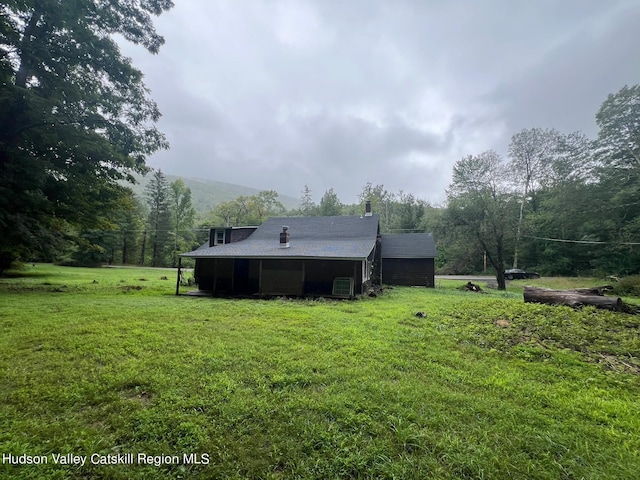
108,361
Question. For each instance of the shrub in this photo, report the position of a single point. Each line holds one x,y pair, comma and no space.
628,286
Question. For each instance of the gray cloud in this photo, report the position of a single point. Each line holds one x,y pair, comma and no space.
280,94
566,89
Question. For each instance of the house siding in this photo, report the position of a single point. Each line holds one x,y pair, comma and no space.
282,277
320,274
408,271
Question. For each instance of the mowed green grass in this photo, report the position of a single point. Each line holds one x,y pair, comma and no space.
110,361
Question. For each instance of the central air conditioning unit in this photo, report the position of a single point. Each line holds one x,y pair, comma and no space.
343,287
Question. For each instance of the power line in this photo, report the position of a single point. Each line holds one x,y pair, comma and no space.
590,242
142,230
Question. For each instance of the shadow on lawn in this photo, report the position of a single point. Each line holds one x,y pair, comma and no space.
28,272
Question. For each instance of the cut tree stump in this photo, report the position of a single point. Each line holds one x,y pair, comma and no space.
575,298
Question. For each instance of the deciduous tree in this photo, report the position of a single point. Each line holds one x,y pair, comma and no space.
531,152
251,210
76,116
381,203
183,217
481,207
619,122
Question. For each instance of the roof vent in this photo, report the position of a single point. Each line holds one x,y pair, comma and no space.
284,237
367,208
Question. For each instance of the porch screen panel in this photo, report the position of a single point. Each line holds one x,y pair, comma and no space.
282,277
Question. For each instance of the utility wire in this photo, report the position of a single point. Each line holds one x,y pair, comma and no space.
141,230
591,242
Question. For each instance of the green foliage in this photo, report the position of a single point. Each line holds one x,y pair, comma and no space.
251,210
183,218
105,361
76,116
131,220
380,200
115,242
308,208
92,248
627,286
401,212
578,202
207,194
532,153
619,135
159,232
481,209
408,213
541,158
330,204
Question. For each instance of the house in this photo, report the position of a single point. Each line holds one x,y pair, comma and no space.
408,259
328,256
336,256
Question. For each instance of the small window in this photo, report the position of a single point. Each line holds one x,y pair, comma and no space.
220,237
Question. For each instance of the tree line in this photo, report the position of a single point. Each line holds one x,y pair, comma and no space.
561,204
153,229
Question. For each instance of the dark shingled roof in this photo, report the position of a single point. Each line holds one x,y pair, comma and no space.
345,237
408,245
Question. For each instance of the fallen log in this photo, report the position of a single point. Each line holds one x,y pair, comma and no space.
594,290
573,298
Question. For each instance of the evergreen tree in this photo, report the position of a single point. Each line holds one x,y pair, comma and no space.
131,222
307,206
159,227
408,212
330,204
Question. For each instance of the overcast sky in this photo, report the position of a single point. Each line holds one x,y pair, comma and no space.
334,94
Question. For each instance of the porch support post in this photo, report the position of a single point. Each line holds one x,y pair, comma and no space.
356,285
179,272
233,275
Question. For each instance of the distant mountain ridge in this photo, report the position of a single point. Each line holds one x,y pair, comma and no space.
207,194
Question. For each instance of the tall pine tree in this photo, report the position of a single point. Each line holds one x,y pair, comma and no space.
159,227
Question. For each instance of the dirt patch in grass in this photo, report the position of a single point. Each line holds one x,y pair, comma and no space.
137,393
501,322
128,288
618,364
